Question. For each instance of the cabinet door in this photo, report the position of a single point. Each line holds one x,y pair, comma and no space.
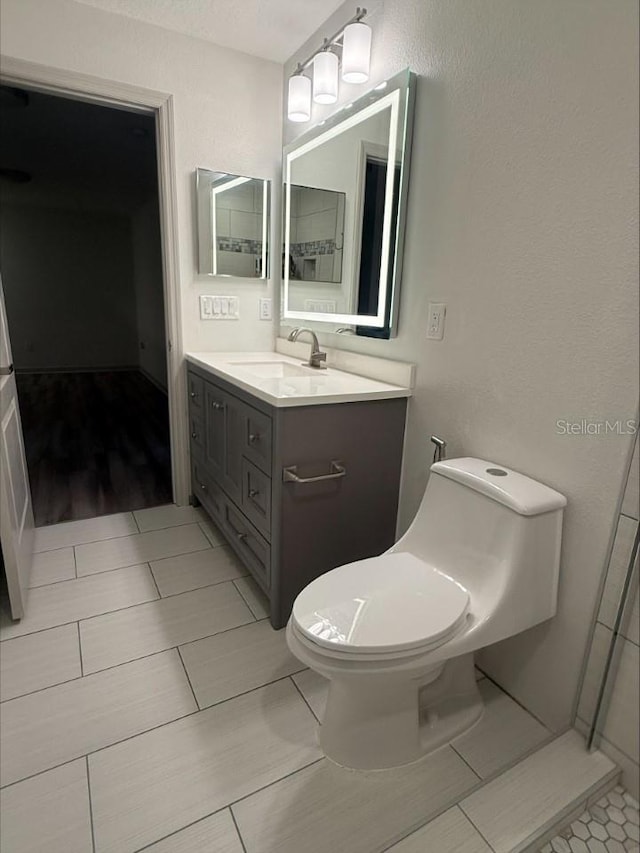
197,437
214,431
196,393
233,431
223,442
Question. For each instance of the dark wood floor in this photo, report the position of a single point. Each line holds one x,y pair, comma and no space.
96,443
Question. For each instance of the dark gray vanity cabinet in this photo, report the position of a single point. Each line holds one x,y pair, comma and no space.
296,490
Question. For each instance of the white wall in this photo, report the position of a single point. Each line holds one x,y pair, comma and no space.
68,282
523,218
227,108
148,289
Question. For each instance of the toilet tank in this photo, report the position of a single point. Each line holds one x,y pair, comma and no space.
498,534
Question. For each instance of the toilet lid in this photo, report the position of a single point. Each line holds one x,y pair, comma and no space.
387,603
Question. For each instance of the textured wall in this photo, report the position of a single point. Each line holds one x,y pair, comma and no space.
523,218
68,284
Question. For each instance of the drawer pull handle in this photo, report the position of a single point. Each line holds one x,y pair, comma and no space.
253,437
216,405
337,471
253,493
239,534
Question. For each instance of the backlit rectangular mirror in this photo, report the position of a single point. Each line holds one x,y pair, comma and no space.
233,225
345,189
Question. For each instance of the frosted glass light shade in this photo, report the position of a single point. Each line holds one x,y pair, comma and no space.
299,101
356,53
325,77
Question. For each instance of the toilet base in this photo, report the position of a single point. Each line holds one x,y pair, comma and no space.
373,723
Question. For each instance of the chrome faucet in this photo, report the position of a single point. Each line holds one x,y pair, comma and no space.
317,356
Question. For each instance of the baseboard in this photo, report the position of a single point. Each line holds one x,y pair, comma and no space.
152,379
108,368
126,368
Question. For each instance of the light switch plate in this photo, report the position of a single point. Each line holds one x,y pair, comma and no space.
219,308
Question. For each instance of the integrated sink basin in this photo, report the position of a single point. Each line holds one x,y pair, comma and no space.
273,369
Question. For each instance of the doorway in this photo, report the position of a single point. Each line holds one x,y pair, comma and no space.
81,260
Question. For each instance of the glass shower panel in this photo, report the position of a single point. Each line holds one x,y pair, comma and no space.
607,709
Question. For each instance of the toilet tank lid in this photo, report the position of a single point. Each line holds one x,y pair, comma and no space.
521,494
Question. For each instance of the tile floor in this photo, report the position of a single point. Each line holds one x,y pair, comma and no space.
148,705
608,826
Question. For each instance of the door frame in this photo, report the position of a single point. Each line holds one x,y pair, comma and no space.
97,90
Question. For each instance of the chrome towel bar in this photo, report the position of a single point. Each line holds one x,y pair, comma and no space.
289,474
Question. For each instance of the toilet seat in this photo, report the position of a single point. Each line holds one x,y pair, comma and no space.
392,604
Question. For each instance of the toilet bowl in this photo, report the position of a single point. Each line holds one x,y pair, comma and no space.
395,635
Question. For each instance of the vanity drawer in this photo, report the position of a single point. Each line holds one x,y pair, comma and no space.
256,438
256,497
196,436
195,386
253,550
209,495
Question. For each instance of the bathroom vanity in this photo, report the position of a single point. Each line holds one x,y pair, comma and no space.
299,468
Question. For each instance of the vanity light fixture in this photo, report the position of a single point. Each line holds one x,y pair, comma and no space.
325,76
299,102
356,52
351,45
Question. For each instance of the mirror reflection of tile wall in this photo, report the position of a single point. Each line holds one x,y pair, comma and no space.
239,229
316,234
611,678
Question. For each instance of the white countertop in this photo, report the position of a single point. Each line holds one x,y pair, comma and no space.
306,386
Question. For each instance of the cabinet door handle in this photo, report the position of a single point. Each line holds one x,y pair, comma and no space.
193,395
194,435
203,487
216,405
289,475
253,493
253,437
241,536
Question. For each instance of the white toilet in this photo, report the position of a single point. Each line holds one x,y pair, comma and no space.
395,634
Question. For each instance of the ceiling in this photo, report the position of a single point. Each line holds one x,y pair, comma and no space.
271,29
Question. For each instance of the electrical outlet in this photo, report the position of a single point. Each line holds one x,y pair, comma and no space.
265,310
435,323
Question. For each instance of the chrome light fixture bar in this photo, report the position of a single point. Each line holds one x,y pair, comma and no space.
351,44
